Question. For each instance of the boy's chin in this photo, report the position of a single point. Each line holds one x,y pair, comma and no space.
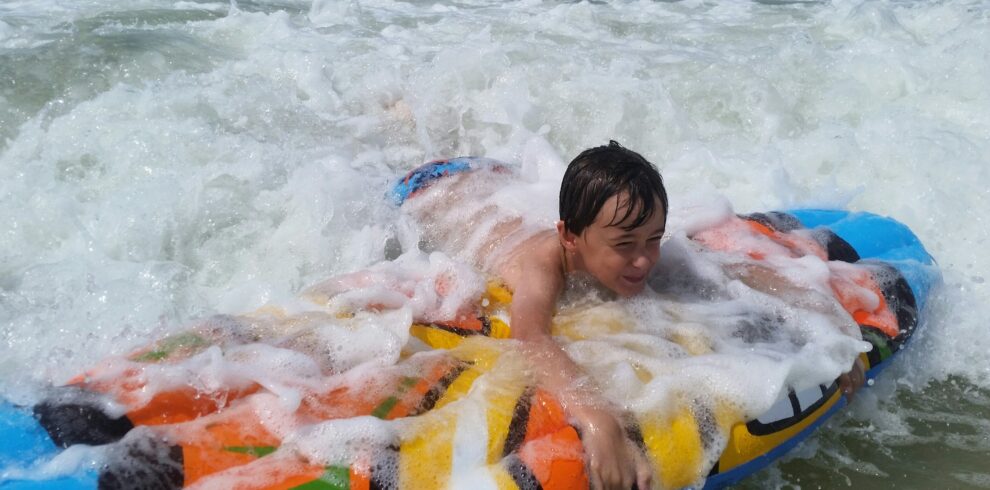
627,289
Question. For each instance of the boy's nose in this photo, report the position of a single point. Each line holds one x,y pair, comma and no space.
642,261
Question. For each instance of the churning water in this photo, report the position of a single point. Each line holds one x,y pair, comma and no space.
162,161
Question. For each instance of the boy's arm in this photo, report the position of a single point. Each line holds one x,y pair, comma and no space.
614,462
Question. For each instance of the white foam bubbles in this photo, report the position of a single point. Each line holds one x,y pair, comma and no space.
202,177
341,442
68,463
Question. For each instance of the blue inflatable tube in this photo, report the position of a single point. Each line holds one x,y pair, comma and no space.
24,441
880,244
874,241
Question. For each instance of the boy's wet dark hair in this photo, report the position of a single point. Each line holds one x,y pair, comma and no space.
602,172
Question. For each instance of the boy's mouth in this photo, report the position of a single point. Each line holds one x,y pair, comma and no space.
634,279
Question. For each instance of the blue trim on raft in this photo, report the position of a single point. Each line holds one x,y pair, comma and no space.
86,481
22,442
21,437
881,238
873,237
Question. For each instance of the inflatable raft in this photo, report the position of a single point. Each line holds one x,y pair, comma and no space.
416,423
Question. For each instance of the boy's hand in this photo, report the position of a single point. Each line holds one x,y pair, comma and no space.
851,381
614,462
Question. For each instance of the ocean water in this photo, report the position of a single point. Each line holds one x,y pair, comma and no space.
164,161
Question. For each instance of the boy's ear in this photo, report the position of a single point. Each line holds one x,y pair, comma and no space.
567,238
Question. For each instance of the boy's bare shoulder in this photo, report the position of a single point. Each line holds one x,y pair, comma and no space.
535,260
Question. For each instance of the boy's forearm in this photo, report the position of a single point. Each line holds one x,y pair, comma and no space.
562,377
531,315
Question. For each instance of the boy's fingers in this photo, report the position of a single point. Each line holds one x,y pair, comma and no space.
611,477
595,480
645,480
850,382
644,472
844,383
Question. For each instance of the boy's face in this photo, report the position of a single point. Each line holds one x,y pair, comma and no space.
621,260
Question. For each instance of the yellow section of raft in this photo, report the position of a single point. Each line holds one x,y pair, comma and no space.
674,443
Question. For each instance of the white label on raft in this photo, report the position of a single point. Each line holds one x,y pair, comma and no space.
779,411
809,396
784,409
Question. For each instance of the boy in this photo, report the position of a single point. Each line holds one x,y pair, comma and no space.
613,210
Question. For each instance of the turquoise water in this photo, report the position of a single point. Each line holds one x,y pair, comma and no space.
161,161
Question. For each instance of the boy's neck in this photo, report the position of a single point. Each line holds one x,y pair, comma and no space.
570,260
